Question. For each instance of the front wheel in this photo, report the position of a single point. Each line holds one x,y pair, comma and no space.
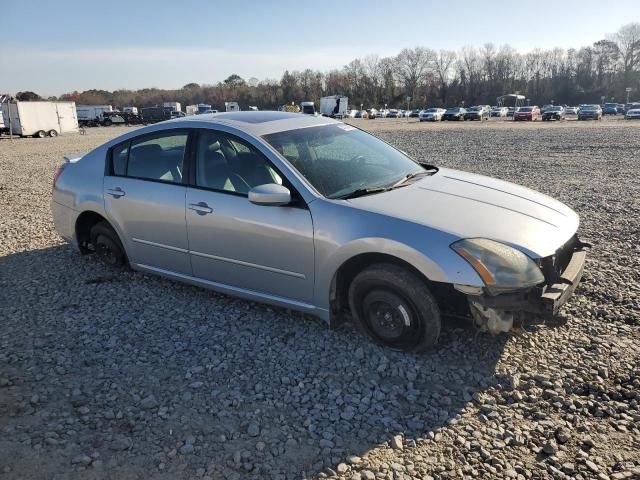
40,134
394,307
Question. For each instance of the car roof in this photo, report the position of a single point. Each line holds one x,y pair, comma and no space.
256,123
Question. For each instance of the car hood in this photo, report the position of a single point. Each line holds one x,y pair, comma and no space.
473,206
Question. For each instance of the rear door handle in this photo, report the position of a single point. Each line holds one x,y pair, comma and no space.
116,192
200,208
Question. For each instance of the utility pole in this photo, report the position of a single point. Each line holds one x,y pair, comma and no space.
628,90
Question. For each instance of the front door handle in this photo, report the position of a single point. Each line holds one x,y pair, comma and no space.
200,208
116,192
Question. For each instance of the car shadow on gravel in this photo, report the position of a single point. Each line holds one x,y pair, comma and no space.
157,376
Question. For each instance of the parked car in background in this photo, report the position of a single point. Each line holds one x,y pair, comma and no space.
620,108
371,114
308,108
308,213
499,111
571,110
351,113
209,111
553,113
415,113
631,106
527,114
431,114
478,112
454,113
178,114
590,112
545,108
610,109
382,113
633,113
393,113
511,111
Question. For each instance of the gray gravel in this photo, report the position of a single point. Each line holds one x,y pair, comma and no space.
109,375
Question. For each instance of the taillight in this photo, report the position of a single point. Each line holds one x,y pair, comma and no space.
56,175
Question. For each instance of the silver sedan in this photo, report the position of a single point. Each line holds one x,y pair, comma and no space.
312,214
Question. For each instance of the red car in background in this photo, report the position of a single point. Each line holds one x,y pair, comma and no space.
527,113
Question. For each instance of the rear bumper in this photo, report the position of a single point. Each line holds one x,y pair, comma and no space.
544,301
64,219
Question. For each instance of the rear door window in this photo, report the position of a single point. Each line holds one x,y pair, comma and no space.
159,157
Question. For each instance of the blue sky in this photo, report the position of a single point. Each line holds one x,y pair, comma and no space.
77,45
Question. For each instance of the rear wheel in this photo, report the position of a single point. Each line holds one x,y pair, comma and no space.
53,133
107,245
394,307
107,122
40,134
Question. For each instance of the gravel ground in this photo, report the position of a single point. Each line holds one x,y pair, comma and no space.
106,375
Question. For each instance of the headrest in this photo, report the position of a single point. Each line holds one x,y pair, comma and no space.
152,149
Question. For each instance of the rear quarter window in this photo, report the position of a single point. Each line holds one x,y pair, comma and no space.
119,155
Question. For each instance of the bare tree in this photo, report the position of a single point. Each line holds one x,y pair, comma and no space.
443,67
627,41
412,66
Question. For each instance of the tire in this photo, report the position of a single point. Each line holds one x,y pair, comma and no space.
107,245
107,123
40,134
52,133
394,307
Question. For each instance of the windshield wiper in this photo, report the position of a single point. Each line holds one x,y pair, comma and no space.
360,192
428,170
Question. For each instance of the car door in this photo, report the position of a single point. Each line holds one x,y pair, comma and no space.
144,197
264,249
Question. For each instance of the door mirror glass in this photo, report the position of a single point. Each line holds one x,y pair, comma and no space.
270,194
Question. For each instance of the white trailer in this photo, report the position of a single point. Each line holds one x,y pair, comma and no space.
175,106
191,109
91,114
131,110
334,106
231,106
40,119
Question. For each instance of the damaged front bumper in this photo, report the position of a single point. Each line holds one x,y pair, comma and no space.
496,313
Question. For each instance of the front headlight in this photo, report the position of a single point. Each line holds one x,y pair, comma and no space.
501,267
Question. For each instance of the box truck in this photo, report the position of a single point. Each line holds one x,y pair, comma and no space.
175,106
39,119
334,106
231,106
91,115
156,114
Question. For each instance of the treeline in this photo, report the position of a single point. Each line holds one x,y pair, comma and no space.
430,78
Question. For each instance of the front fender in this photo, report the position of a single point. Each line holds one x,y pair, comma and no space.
342,231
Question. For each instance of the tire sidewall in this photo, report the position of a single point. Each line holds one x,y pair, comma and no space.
102,233
425,314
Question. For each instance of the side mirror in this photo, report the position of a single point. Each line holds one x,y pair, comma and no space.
270,194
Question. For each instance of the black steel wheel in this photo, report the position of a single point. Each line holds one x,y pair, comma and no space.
107,245
53,133
394,307
40,134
